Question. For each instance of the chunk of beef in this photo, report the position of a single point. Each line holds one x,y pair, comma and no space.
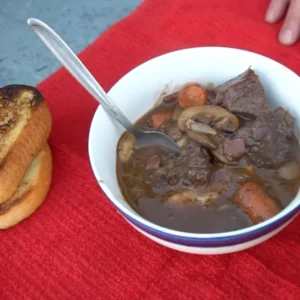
229,150
192,166
234,148
243,95
268,138
152,163
196,166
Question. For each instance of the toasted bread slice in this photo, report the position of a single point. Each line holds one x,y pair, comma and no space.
25,125
30,193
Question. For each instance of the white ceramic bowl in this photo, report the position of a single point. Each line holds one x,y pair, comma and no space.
136,93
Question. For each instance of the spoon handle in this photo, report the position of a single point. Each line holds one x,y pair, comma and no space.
73,64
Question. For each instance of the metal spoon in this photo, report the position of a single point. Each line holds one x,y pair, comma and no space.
72,63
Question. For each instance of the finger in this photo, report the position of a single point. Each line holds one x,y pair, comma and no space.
276,10
290,31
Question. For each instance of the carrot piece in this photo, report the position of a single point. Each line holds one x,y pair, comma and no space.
254,202
159,118
192,95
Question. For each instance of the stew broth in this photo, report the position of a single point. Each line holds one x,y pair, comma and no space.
152,175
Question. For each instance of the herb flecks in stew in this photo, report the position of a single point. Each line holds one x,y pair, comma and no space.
238,164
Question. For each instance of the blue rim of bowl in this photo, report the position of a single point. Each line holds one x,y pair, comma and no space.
210,240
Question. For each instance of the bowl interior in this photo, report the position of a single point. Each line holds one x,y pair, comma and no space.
137,92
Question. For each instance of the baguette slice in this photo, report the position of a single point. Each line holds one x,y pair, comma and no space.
25,125
31,192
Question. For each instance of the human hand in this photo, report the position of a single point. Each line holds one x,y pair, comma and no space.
290,30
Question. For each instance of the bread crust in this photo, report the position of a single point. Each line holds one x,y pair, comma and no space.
20,207
28,144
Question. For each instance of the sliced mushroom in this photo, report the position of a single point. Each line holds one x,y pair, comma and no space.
188,123
126,146
186,196
223,123
183,141
173,131
182,197
202,139
289,171
215,114
200,127
207,198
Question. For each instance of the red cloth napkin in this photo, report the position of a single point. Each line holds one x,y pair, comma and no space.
76,246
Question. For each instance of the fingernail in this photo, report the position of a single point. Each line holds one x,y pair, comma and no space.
286,36
270,16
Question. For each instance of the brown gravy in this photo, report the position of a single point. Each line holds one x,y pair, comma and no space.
145,190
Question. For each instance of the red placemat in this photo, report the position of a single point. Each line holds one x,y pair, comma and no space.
76,246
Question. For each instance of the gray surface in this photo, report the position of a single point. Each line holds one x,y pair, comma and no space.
23,57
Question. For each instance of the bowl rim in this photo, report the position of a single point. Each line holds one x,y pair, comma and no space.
287,213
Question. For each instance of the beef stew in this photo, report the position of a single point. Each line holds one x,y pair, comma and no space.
238,166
